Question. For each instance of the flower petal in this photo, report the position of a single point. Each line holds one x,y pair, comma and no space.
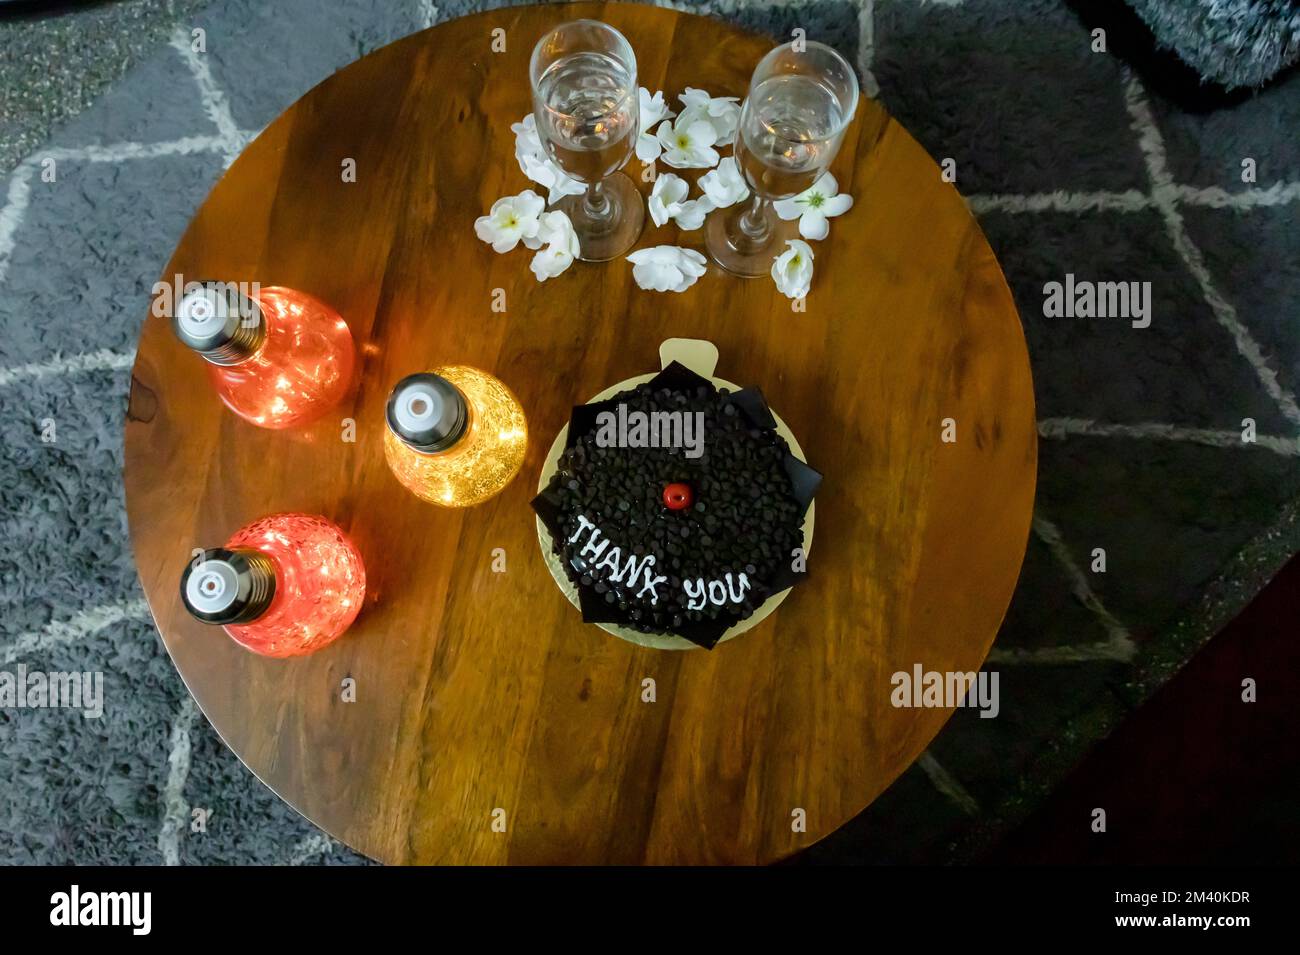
792,270
702,134
789,208
658,213
551,261
690,216
666,134
693,263
653,108
671,187
648,147
724,186
813,225
693,98
530,204
666,268
826,185
837,205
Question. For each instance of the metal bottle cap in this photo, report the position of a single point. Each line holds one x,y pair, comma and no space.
228,586
427,412
219,323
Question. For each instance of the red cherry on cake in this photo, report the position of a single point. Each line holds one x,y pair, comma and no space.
678,496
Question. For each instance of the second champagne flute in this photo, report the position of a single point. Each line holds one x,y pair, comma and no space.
583,76
801,99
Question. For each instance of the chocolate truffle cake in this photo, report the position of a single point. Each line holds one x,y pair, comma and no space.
677,508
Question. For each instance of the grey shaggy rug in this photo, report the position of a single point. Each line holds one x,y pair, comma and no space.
1233,42
1071,164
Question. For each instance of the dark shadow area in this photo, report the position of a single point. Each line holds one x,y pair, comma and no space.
39,9
1196,775
1161,70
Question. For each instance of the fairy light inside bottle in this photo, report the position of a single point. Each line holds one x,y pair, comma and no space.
456,436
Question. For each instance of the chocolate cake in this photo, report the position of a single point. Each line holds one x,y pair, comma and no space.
677,508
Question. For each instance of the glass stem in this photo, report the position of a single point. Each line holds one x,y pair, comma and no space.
753,222
595,203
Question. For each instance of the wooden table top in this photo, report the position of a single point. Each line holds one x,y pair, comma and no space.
480,696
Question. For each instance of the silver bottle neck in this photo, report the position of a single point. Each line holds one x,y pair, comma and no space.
427,413
223,586
220,323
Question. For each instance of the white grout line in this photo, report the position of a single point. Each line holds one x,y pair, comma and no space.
1120,645
1213,197
1165,194
1067,427
1061,201
1113,649
11,216
681,6
946,784
104,359
215,103
428,12
119,152
1049,534
79,625
314,845
867,48
175,810
20,181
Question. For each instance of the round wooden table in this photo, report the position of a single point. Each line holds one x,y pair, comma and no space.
490,725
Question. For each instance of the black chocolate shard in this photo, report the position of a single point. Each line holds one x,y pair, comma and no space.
596,610
755,407
804,482
705,633
547,506
677,377
786,576
583,419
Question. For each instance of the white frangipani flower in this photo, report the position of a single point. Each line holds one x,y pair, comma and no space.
666,268
724,186
722,112
688,143
558,245
653,109
539,167
814,206
511,219
668,201
793,269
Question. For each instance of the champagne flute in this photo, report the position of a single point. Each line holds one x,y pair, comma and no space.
585,100
801,99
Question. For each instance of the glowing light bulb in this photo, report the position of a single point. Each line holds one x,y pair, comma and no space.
283,586
456,436
277,359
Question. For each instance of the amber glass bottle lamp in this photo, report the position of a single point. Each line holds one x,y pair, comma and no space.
456,436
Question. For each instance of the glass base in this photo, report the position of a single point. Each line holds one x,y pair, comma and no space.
608,237
735,251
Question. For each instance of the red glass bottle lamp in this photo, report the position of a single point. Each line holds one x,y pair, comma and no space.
277,359
283,586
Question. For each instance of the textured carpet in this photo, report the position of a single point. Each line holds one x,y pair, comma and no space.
1072,167
1232,42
